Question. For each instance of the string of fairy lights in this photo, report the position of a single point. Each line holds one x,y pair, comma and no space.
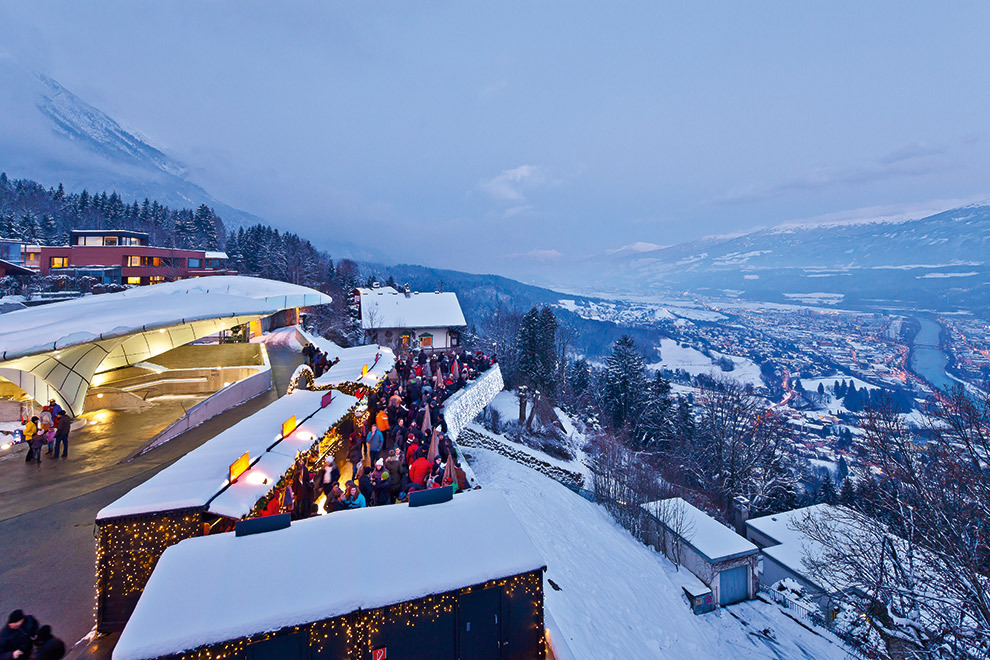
461,411
362,631
129,548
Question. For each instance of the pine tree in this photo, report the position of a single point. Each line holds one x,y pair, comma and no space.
547,338
655,428
204,228
847,493
530,363
624,383
827,494
579,377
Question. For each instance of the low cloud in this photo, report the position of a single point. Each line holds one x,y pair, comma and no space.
538,254
509,185
912,160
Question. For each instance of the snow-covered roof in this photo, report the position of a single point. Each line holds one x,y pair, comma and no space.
203,473
378,359
781,527
93,318
238,499
793,545
264,581
215,255
418,310
702,532
362,290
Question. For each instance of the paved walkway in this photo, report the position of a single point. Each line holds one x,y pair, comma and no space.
47,561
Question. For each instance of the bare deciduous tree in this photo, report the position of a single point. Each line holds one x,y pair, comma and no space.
740,446
918,556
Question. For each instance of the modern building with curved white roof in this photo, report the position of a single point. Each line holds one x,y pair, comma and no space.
53,351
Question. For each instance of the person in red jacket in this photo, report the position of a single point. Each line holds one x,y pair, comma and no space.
412,449
420,469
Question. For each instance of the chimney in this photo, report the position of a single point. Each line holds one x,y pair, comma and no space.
740,514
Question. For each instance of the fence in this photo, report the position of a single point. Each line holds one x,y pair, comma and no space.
464,405
573,480
810,616
232,395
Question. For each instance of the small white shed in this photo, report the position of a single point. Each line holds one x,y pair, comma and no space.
713,552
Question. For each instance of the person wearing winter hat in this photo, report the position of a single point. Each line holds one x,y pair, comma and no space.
15,642
49,647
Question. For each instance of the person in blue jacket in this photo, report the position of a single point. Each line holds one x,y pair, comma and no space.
375,442
354,499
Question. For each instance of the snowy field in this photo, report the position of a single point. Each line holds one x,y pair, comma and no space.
811,384
674,356
618,599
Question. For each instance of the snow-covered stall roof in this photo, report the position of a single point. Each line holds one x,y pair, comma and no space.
417,310
702,532
203,473
264,581
350,368
238,499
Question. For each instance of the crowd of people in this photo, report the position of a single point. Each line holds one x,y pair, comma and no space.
24,639
49,428
402,445
317,359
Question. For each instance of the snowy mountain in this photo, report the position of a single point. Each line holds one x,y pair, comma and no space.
52,136
939,261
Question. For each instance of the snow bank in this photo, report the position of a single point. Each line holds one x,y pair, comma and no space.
265,581
619,599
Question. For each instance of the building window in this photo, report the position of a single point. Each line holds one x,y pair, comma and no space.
213,263
109,240
134,280
58,262
405,341
426,340
155,279
195,263
133,261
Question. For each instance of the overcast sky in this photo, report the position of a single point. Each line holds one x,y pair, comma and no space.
460,133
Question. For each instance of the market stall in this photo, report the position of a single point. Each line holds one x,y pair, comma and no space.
208,490
469,585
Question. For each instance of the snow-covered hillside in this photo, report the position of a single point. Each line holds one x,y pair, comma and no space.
674,356
615,598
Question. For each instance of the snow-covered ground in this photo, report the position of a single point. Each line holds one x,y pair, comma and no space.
811,384
674,356
507,405
617,598
283,337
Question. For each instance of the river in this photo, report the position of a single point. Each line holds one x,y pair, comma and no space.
927,359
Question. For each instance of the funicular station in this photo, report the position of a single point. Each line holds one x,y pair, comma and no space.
206,536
